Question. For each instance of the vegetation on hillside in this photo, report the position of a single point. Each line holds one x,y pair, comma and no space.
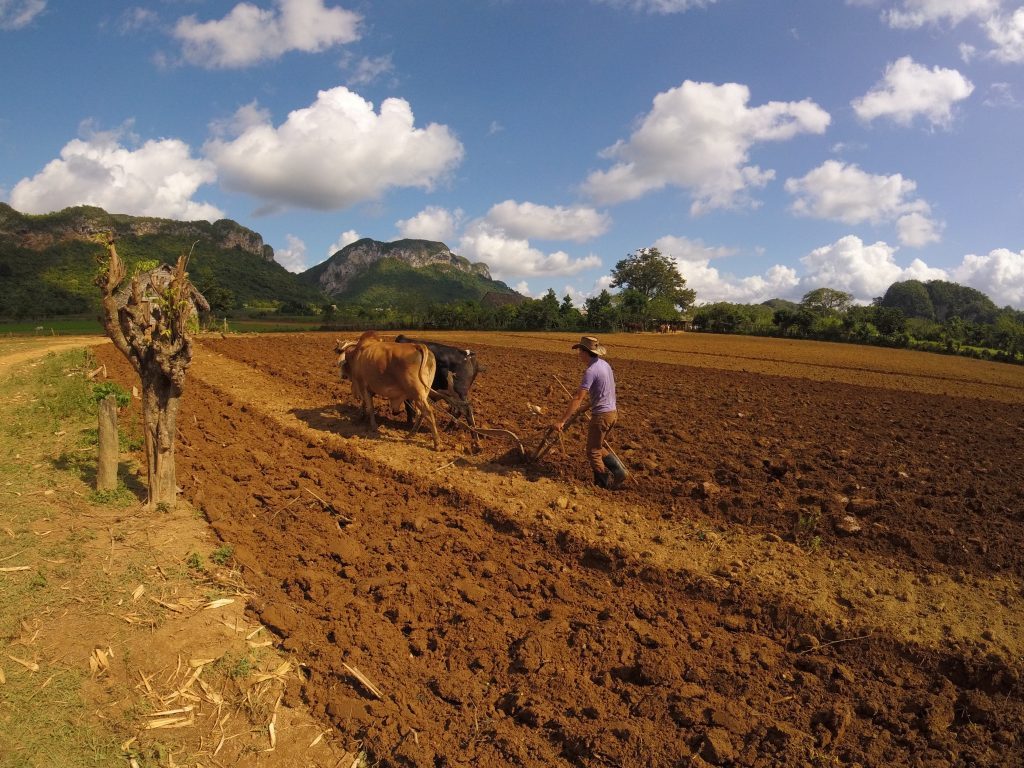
936,316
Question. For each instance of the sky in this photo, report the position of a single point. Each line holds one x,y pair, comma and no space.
770,148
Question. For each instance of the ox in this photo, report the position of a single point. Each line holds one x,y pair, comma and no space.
457,369
397,372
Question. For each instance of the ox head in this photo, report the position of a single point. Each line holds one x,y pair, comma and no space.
343,348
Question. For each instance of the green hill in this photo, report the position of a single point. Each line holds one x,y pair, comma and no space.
47,262
402,275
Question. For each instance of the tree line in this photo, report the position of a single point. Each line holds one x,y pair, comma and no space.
936,316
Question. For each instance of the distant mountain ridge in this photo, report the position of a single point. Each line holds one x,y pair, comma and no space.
402,273
47,263
39,232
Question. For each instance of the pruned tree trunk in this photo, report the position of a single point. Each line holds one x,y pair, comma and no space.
148,322
160,401
106,470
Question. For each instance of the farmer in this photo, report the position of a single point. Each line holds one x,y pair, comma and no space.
599,382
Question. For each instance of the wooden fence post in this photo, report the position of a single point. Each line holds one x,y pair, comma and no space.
106,470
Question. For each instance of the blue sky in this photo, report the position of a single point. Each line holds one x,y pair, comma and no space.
769,147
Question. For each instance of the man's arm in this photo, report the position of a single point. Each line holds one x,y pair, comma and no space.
577,401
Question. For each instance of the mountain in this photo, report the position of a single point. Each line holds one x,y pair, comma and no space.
47,262
405,274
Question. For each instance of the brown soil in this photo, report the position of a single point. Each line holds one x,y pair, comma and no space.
710,612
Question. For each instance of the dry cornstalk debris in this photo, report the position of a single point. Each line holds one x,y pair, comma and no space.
364,681
31,666
139,591
170,606
278,674
99,661
220,603
171,722
318,739
12,569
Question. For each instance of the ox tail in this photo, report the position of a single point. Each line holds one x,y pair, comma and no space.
426,379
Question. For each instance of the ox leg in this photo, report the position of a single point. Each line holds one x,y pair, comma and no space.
368,409
423,403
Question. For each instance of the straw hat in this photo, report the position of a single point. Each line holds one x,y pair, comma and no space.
591,344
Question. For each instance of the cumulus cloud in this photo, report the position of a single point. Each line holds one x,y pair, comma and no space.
432,223
16,14
912,14
508,256
347,237
158,178
908,89
659,6
693,259
249,34
332,154
293,256
999,275
698,137
917,230
865,270
683,249
841,192
1007,34
526,220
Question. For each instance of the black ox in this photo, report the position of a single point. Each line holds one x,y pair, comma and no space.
457,369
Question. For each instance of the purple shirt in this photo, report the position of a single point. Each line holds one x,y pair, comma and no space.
599,381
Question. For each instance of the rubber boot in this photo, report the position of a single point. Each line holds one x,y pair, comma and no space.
618,471
601,479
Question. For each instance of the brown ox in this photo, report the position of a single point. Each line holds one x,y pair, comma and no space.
397,372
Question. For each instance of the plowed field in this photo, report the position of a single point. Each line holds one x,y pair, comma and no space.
711,612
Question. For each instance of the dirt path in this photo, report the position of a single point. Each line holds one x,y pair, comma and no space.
16,351
511,616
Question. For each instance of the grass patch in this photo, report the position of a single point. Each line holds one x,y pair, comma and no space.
44,720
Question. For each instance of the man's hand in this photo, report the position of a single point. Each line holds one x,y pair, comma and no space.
559,425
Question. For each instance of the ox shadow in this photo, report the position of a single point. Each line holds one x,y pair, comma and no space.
499,456
348,421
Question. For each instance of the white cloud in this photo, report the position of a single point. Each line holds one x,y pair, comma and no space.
912,14
1001,95
863,270
432,223
845,193
967,52
712,285
347,237
659,6
158,179
514,257
526,220
332,154
1007,34
17,14
249,34
683,249
999,275
908,89
916,230
698,137
293,256
693,259
366,70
